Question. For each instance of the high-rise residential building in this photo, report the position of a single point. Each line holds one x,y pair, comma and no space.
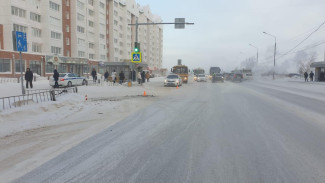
77,35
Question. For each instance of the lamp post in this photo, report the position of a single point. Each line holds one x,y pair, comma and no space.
256,53
274,50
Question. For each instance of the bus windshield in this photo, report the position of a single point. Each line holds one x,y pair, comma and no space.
180,70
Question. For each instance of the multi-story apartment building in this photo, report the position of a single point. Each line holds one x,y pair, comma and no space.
75,35
125,12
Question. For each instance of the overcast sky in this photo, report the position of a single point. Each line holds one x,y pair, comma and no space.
224,29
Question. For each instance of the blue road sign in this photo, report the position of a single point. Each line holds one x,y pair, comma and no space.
136,57
21,41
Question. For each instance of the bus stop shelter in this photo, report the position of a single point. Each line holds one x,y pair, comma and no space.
319,70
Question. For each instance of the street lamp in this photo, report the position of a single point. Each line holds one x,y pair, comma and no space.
257,52
274,50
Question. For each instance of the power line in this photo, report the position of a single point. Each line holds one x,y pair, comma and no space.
302,40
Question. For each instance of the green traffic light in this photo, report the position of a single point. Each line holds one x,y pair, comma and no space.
136,49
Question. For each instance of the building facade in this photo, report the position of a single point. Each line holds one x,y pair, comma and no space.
77,35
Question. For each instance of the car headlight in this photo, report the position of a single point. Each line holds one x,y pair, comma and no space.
165,80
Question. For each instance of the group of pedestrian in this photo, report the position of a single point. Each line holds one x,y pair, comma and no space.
143,76
311,76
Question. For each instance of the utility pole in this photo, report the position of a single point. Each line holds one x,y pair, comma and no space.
274,51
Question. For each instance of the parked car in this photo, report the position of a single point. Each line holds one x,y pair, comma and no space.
69,79
173,80
217,77
201,78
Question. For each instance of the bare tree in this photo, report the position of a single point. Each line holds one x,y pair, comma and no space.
249,63
304,60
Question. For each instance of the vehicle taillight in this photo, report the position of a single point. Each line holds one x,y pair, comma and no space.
62,79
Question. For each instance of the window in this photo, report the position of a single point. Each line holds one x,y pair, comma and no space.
115,40
54,6
81,53
102,5
92,34
121,19
80,29
55,50
67,2
36,47
91,56
20,28
68,41
62,68
35,17
67,15
81,41
91,12
5,65
35,66
67,28
80,5
115,13
91,45
121,35
115,4
49,67
116,50
91,2
68,53
55,35
115,22
81,17
102,57
36,32
91,23
18,12
102,46
17,66
102,36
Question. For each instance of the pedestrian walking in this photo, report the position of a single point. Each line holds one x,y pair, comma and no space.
29,78
114,76
106,76
122,77
306,76
143,77
94,75
139,78
147,76
311,76
56,78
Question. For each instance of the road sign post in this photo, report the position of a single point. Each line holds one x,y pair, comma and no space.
21,46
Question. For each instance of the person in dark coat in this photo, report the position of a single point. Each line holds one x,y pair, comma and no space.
94,75
306,76
106,76
143,76
311,76
56,78
122,77
29,78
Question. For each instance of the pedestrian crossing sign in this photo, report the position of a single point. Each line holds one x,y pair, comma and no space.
136,57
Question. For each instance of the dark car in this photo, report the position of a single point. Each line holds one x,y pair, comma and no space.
237,77
217,77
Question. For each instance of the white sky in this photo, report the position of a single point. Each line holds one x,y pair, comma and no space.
225,28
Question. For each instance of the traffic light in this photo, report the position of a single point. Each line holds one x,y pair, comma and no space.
136,47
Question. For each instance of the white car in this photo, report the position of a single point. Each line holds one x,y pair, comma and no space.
201,78
69,79
173,80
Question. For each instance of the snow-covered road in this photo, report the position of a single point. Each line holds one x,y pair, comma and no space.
254,131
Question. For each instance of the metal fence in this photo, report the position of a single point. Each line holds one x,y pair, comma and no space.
17,80
34,96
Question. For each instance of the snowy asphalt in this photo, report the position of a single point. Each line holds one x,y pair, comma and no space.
204,132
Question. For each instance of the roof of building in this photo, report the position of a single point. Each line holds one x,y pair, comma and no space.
317,64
